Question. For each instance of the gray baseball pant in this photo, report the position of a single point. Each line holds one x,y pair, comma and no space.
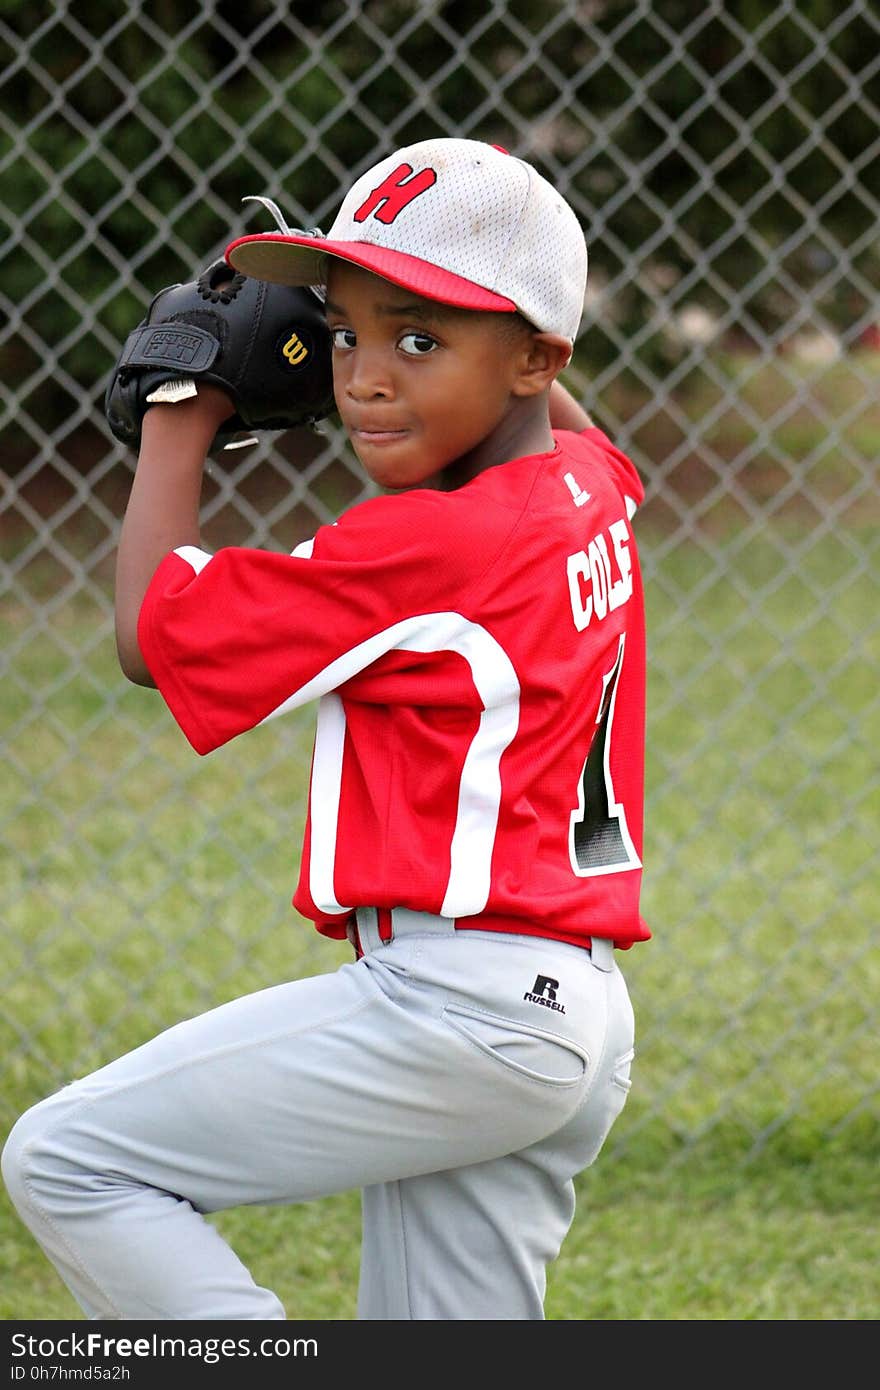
428,1073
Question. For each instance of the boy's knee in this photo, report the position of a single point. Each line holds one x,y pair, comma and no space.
14,1159
28,1159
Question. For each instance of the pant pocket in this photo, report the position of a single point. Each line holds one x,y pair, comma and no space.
531,1052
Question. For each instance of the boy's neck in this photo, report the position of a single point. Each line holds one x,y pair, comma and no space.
524,430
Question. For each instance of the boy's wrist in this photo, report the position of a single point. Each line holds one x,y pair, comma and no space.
194,420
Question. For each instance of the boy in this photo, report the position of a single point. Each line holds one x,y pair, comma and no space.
475,640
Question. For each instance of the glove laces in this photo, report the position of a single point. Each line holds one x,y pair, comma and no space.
277,214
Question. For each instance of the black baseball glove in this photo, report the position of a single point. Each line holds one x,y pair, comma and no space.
266,345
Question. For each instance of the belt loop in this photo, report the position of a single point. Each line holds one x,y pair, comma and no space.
368,929
376,927
602,953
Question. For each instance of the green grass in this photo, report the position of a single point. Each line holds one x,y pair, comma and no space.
141,883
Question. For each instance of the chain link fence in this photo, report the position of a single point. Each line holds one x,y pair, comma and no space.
724,160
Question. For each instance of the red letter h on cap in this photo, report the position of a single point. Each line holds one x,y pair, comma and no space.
394,193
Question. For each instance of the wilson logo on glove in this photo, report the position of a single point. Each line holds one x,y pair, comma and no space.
295,350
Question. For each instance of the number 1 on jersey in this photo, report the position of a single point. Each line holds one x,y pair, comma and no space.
599,841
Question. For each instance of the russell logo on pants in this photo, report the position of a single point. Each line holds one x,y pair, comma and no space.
543,992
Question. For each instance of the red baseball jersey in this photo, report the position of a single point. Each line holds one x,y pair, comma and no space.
478,658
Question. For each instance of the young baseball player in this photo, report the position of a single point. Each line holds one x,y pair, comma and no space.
473,638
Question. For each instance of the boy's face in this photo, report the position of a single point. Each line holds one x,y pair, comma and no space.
418,384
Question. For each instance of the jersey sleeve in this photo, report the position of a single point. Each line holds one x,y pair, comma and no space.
234,638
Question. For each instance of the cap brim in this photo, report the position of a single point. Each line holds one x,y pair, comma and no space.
300,260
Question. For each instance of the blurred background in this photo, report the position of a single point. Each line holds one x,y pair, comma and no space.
725,162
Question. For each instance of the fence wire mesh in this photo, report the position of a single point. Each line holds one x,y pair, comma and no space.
725,161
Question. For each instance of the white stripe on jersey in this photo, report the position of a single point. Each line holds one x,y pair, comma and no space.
194,556
324,795
479,793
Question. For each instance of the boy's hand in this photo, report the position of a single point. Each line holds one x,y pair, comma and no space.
267,346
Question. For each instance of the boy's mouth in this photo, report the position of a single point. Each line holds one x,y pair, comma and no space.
378,436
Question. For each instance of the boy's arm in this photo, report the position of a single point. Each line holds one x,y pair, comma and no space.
565,413
163,507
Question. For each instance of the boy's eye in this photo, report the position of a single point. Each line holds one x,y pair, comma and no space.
343,338
417,344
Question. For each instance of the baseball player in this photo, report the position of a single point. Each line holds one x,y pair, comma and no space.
473,638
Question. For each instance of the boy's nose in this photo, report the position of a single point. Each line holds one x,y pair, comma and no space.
368,378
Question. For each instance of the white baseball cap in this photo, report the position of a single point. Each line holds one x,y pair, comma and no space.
458,221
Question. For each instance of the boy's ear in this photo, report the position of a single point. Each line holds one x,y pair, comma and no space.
545,356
